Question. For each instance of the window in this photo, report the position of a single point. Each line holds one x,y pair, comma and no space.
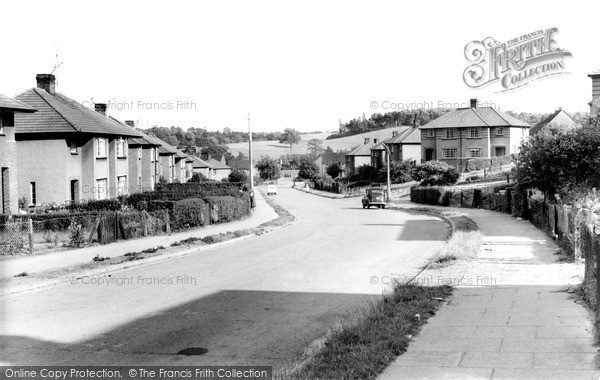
431,133
500,151
101,148
73,146
140,183
121,185
139,153
32,194
474,133
153,154
101,188
474,152
499,131
450,153
450,133
152,182
121,147
1,125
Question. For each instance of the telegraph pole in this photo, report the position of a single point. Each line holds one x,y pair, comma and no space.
250,156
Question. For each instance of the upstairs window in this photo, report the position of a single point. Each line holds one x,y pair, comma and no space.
139,153
1,125
499,131
101,144
121,147
73,146
32,194
450,133
474,133
431,133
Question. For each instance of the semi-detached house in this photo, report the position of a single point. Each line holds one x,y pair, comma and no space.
67,152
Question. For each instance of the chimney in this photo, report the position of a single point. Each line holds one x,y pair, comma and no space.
473,102
100,108
375,141
595,103
130,123
366,140
46,82
394,133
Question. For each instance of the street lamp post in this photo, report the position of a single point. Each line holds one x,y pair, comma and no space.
389,182
250,156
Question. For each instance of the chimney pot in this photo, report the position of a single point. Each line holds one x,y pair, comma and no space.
366,140
394,133
473,102
130,123
375,141
100,108
46,82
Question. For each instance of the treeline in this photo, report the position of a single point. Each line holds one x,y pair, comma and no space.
534,118
378,121
201,137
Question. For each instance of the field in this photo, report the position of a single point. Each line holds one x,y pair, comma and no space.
275,150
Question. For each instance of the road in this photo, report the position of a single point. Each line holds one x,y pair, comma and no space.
261,301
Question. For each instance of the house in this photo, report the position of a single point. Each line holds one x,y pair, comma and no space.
474,132
329,158
143,161
559,120
68,152
218,169
9,200
595,103
405,144
360,156
200,166
243,165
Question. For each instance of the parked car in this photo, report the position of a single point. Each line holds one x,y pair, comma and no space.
375,196
271,189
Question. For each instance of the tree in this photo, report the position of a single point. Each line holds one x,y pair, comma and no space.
290,136
366,173
198,177
435,173
238,175
268,168
307,169
315,147
561,163
334,169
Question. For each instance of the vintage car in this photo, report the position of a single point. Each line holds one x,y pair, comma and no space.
375,196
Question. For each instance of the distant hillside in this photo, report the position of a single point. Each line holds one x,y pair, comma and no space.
275,150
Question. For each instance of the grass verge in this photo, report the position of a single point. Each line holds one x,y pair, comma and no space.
463,245
372,337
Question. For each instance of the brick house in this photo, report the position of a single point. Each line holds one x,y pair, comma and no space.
67,152
474,132
595,103
143,161
360,156
403,145
218,168
9,203
559,120
200,166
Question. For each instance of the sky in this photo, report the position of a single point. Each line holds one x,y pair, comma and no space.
304,64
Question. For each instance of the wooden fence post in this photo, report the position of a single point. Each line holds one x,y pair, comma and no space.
30,234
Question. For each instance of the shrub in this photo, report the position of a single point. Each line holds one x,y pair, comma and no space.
485,163
76,235
435,173
426,195
198,177
334,169
95,205
188,213
228,208
238,175
179,191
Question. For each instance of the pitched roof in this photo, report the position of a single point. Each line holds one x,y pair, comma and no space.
475,117
378,146
217,164
143,140
594,73
332,157
363,150
11,104
555,116
243,164
199,163
60,114
163,146
406,136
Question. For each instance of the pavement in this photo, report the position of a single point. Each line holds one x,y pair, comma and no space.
61,259
513,314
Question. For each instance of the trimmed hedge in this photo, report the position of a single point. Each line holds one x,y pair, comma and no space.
430,195
227,208
54,222
188,213
95,205
178,191
485,163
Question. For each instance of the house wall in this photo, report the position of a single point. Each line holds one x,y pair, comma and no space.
203,171
135,168
361,160
179,168
9,199
147,169
50,164
166,168
219,174
411,151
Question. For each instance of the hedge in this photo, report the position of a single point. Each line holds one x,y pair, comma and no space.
188,213
95,205
178,191
227,208
430,195
54,222
485,163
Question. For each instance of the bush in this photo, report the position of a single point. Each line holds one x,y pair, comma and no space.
179,191
198,177
58,221
188,213
426,195
486,163
238,175
95,205
76,235
227,208
435,173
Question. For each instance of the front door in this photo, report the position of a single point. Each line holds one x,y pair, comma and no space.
74,190
428,154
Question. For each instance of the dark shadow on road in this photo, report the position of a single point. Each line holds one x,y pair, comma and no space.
237,327
430,230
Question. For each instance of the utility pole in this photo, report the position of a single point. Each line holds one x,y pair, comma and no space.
250,156
389,182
